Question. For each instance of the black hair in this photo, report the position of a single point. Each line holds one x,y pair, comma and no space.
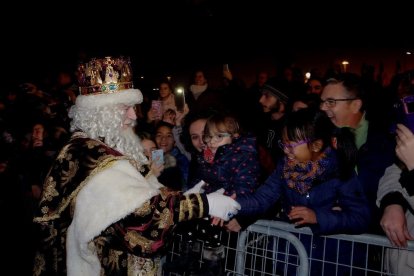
311,124
163,124
189,119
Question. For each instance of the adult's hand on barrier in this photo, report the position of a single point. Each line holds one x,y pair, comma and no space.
302,215
394,224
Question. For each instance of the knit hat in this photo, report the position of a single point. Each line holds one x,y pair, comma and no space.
106,81
277,89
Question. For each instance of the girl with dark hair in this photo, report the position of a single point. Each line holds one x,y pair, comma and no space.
318,187
316,178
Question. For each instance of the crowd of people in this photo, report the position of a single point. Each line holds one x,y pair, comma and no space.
326,153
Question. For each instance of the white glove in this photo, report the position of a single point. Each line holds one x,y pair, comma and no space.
197,189
222,206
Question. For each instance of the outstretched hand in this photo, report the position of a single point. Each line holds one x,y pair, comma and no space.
219,221
222,206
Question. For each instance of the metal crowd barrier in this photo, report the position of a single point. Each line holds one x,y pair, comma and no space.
278,248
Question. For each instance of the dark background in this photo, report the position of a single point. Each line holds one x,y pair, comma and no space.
165,37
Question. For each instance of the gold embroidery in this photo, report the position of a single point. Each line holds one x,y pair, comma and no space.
144,210
142,266
49,189
189,206
166,219
109,161
154,233
183,206
113,260
44,210
63,152
39,264
92,143
200,206
164,193
70,173
134,239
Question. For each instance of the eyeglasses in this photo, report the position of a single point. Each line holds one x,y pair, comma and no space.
332,102
217,137
291,146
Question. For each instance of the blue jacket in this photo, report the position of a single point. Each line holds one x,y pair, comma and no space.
235,168
327,192
377,154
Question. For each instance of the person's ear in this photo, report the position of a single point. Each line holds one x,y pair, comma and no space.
317,145
356,105
334,142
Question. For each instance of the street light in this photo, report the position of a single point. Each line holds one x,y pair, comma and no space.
345,63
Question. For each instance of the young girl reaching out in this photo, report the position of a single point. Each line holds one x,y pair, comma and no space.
316,179
318,187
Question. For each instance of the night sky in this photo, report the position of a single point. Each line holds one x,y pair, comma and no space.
168,36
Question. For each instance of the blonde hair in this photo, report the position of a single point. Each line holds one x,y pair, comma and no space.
223,123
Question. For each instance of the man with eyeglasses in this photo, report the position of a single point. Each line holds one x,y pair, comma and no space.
343,100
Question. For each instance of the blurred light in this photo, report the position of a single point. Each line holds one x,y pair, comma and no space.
180,90
408,53
307,75
168,78
142,77
345,63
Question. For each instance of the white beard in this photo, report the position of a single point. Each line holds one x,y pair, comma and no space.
129,144
107,123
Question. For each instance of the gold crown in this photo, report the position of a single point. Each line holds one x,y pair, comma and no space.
105,76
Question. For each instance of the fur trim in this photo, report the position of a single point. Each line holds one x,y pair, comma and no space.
108,197
127,97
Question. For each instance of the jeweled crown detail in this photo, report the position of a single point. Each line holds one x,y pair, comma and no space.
104,76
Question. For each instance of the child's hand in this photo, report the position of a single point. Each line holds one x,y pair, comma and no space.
233,226
156,169
217,221
302,215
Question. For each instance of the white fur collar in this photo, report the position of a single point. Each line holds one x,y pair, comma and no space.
108,197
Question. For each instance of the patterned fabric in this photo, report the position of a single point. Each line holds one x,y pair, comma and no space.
235,168
300,176
142,233
80,158
145,234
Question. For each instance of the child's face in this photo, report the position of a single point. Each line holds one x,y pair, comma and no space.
215,139
296,150
148,146
165,139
